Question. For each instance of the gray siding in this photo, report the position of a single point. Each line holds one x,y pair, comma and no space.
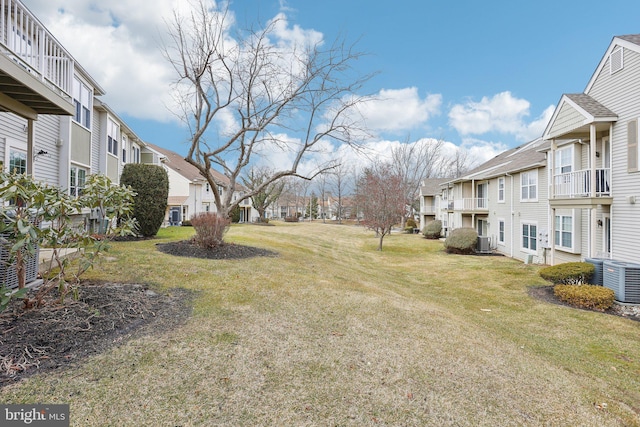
568,119
620,93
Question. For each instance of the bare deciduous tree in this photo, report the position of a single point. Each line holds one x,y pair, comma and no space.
338,178
381,199
414,163
245,94
265,197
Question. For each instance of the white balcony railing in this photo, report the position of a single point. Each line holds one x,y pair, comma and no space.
470,204
30,45
578,183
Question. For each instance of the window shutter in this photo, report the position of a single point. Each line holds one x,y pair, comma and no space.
632,146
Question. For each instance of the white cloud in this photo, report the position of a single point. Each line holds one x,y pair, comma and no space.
118,45
502,113
399,109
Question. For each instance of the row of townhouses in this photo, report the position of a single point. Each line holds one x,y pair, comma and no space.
54,125
573,193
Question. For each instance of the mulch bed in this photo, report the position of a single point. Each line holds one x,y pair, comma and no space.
545,293
225,251
104,315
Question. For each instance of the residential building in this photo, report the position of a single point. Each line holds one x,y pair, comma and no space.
594,153
572,194
505,200
53,124
189,191
430,200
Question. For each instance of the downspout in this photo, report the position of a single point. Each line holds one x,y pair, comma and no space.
31,133
512,215
592,212
552,195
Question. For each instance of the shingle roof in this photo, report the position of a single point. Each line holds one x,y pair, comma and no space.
526,156
177,163
590,105
431,186
632,38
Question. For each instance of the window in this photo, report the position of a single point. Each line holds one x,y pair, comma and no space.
135,154
206,187
529,186
82,101
482,196
501,231
124,156
530,237
564,160
564,231
17,161
112,137
500,190
77,181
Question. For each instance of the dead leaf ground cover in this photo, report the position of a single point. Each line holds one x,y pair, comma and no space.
332,332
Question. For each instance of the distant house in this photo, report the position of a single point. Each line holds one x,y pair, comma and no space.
189,191
430,200
505,200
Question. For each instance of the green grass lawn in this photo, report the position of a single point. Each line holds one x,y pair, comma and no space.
333,332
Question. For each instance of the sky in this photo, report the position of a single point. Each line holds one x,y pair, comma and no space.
484,76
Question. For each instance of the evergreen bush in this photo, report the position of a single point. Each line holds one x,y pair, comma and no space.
461,241
569,273
151,183
592,297
433,229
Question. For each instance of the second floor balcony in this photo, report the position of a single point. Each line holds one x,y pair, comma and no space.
478,204
578,184
35,70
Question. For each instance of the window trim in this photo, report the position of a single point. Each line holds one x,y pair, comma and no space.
501,189
112,141
558,241
73,188
558,167
502,224
529,185
82,106
529,237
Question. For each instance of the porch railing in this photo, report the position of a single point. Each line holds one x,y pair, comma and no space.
578,183
25,40
471,204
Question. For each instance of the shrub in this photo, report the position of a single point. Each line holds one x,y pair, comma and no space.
433,229
210,228
151,183
585,296
461,241
186,223
411,223
569,273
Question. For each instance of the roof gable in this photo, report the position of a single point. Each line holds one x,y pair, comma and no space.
574,111
631,41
